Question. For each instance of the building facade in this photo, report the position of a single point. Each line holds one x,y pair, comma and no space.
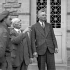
58,14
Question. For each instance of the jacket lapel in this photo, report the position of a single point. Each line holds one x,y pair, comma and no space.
40,29
46,29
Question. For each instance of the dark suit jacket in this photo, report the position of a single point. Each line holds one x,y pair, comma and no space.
27,50
28,40
20,49
43,39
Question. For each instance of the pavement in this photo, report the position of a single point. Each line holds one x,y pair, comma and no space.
68,59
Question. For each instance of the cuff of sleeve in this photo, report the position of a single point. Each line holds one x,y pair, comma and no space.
35,53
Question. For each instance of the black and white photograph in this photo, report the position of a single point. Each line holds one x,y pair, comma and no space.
34,34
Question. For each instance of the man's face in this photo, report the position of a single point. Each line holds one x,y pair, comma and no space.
8,21
18,25
42,15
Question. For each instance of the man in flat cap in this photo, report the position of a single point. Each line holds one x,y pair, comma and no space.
21,52
5,22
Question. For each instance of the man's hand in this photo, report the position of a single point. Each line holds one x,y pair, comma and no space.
56,50
28,29
35,54
31,60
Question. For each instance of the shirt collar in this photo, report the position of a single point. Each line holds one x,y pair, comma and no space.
40,23
16,29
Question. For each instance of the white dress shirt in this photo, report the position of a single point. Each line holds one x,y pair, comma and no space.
42,24
17,30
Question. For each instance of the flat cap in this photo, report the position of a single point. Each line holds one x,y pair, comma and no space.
4,14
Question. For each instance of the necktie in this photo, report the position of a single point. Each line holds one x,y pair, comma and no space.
43,25
19,31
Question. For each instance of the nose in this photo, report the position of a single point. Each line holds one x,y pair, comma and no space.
19,25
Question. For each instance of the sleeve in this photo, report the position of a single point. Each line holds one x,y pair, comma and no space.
53,37
33,38
3,42
17,39
28,36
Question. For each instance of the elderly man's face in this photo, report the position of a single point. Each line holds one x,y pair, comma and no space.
42,15
18,25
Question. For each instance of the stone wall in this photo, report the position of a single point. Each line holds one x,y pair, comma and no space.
68,34
68,23
20,8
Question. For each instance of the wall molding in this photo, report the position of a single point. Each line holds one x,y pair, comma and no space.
68,13
68,48
16,14
68,31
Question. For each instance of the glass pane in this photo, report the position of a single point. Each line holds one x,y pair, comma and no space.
55,13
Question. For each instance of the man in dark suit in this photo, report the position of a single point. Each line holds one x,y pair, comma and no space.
43,41
5,22
21,51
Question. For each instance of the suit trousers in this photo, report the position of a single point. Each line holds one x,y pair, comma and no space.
48,59
23,66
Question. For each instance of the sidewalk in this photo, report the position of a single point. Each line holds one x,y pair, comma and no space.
32,67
